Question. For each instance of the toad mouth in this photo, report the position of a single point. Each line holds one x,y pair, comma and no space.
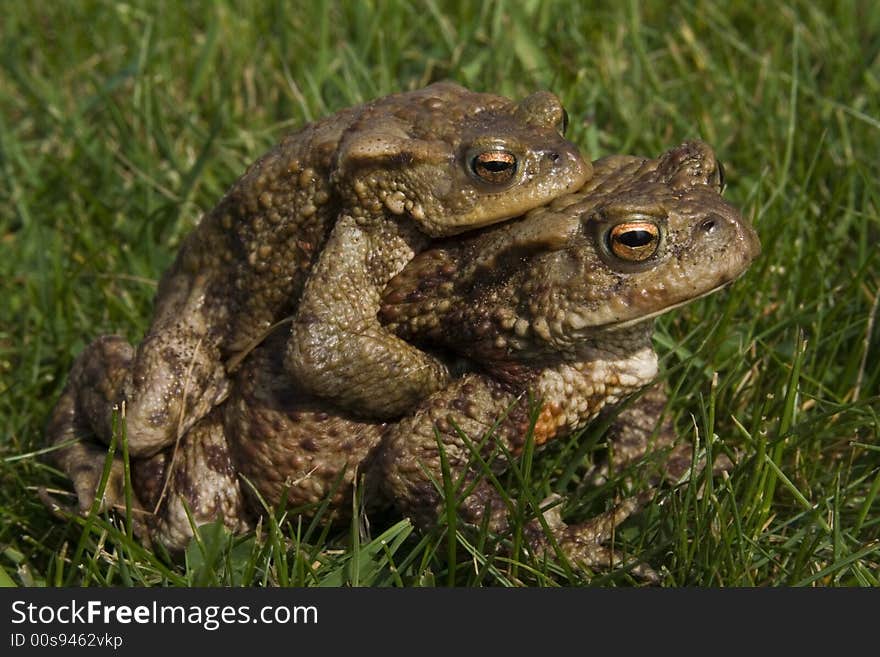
615,326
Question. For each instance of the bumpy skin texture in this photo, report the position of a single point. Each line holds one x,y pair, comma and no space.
551,311
432,174
292,446
548,312
366,185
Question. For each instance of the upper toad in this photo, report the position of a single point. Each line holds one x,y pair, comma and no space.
351,199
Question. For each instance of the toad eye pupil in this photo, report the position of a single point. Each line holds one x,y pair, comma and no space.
636,238
634,241
494,166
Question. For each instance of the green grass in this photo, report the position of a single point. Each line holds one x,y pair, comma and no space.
121,123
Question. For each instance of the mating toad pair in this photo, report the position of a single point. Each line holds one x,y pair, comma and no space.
314,332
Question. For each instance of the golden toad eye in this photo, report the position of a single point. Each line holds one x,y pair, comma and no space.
634,241
564,126
496,167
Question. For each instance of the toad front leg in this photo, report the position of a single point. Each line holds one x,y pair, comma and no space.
643,433
338,349
642,430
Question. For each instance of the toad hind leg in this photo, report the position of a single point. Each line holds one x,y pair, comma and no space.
163,396
192,483
173,378
413,463
338,349
585,543
198,473
69,431
84,462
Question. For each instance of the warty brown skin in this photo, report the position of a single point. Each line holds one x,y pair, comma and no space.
350,198
552,313
338,350
288,447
